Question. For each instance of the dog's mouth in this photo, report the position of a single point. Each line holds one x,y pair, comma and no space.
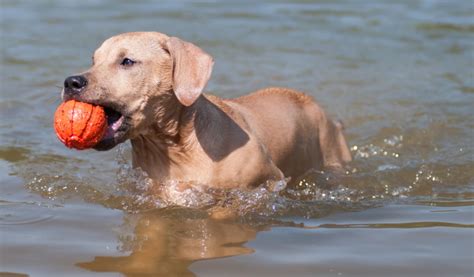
117,128
118,123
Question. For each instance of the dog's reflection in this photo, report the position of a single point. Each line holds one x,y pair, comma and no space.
165,243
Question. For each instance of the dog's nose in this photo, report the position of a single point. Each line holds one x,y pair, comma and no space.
74,84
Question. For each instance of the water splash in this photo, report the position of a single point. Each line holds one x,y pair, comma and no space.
391,147
378,174
312,195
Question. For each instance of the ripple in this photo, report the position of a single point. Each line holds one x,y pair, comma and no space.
451,27
422,224
14,154
440,203
22,213
18,61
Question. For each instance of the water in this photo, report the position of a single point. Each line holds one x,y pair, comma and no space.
398,73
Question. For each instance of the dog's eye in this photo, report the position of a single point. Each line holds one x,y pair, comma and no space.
127,62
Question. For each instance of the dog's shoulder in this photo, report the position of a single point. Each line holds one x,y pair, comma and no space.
278,93
218,102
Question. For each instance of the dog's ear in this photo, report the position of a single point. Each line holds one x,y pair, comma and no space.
192,69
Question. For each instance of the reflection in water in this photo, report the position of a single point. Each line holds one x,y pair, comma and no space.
166,242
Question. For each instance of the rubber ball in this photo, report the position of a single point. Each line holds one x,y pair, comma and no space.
80,125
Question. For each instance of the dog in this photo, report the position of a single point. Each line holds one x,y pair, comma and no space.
151,84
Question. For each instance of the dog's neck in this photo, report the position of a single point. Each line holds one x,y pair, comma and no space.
172,141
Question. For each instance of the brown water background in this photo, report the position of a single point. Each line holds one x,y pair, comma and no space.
398,73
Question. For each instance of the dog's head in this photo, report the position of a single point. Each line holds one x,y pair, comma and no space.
136,77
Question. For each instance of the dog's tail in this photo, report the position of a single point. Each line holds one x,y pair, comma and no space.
333,143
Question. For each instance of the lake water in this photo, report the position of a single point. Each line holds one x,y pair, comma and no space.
398,73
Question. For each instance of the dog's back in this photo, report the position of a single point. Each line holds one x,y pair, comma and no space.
294,130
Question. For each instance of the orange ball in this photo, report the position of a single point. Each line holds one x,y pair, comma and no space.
80,125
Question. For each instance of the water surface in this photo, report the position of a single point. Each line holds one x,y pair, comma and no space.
399,74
